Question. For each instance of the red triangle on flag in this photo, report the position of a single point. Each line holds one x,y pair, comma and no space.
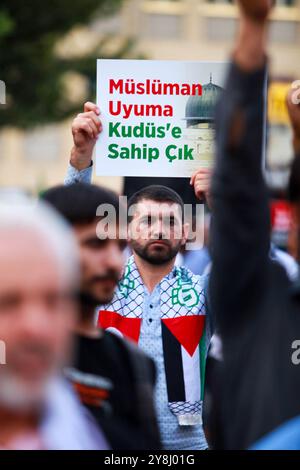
129,327
187,330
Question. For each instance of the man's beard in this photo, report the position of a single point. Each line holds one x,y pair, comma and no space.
26,392
89,299
17,396
157,257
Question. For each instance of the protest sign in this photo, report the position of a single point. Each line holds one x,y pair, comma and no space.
158,116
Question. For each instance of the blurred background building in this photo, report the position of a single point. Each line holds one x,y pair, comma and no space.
158,29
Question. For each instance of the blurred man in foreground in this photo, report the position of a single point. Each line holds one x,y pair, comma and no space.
114,379
256,306
38,282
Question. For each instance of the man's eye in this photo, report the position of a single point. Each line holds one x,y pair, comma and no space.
172,222
122,245
146,220
96,243
9,302
53,300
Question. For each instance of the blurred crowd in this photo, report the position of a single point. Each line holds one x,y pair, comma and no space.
133,342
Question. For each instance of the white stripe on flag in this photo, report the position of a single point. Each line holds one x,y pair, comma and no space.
191,374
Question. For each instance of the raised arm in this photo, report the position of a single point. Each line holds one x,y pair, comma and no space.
86,129
240,226
293,104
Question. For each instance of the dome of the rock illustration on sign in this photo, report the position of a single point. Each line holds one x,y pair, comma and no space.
200,127
201,109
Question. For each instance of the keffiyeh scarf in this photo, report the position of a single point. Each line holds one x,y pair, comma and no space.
185,333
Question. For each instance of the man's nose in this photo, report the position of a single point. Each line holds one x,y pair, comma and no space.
35,320
158,230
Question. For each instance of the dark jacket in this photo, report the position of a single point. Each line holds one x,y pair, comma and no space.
257,308
115,381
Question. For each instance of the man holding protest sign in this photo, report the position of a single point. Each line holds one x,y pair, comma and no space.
159,306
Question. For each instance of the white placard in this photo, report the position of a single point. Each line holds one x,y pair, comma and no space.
157,116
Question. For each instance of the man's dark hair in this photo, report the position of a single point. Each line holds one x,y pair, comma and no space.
78,202
156,193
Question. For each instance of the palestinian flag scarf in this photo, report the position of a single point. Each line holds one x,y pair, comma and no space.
185,334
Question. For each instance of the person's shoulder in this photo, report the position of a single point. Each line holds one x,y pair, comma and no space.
114,339
136,356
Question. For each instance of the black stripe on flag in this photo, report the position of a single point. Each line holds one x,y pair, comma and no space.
173,366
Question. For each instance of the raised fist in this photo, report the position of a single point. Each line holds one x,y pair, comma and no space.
86,128
256,10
